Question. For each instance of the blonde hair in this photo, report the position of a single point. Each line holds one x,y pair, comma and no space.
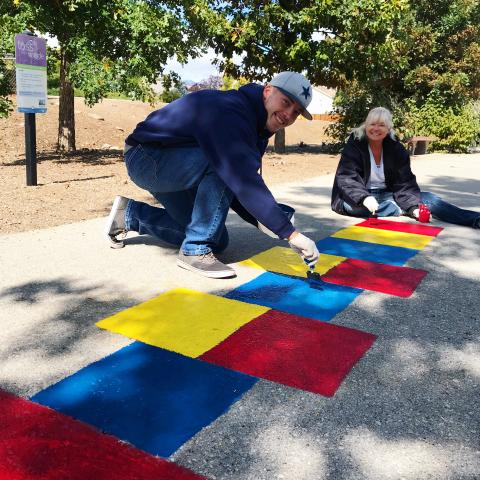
378,114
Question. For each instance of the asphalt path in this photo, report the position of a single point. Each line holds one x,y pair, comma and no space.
408,410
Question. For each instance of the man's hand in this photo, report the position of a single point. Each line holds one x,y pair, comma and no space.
371,204
416,213
305,247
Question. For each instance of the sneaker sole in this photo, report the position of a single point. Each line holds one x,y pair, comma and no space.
206,273
112,241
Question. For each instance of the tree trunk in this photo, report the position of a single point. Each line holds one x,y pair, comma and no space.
279,142
66,112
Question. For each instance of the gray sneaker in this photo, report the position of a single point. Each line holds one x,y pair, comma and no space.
207,265
115,225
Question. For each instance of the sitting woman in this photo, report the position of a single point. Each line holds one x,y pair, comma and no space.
374,178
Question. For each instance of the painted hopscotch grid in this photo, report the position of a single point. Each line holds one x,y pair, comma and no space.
376,276
296,296
166,307
361,248
263,363
134,393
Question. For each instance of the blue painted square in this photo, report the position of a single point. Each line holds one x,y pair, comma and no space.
372,252
295,295
150,397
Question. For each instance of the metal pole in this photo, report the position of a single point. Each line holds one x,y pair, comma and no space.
31,148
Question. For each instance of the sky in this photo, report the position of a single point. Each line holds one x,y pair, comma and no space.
201,68
195,70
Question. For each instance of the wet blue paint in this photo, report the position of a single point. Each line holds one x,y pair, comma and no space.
295,295
373,252
150,397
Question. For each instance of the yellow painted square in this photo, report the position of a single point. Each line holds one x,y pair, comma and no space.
385,237
183,321
286,261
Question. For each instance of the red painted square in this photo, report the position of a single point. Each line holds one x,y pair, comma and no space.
38,443
399,281
401,227
293,350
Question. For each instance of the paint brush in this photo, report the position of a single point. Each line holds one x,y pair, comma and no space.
314,279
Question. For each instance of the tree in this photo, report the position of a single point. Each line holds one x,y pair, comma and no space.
332,43
213,82
8,27
374,52
173,88
230,83
114,45
444,57
438,77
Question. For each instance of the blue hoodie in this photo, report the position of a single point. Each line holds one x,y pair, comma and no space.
229,126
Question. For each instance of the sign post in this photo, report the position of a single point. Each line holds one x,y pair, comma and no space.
31,75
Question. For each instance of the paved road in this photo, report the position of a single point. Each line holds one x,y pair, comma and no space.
408,410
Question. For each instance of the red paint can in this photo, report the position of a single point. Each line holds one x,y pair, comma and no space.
423,213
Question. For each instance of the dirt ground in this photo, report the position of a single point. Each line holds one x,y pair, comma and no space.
81,186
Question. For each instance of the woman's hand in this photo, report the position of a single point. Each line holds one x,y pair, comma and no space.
371,204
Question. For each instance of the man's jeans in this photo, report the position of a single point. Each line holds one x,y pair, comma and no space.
195,200
444,211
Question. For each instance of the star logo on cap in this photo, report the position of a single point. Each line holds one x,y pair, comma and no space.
306,92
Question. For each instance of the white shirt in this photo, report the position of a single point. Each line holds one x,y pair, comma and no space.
377,175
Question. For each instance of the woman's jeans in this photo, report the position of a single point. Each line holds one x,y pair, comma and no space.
195,200
444,211
387,207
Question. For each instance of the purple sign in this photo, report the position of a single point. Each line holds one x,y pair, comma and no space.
31,73
30,50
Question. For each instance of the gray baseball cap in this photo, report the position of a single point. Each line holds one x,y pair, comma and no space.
295,86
